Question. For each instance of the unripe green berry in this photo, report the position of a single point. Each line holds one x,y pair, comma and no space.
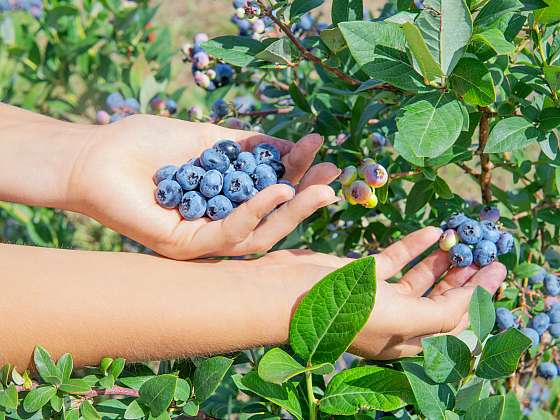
348,175
448,239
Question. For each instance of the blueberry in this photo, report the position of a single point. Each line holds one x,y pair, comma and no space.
470,232
244,103
245,162
378,140
165,172
168,193
554,330
554,313
132,106
238,186
547,370
212,159
348,175
278,167
533,335
490,231
264,153
264,176
193,205
490,213
460,256
484,253
115,102
224,74
219,207
456,220
552,285
504,319
448,239
220,108
505,243
117,117
229,148
212,183
189,176
102,118
540,323
538,277
171,106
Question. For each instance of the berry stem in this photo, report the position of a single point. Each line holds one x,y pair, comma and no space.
310,396
485,164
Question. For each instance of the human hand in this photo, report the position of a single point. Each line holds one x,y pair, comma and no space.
112,179
416,306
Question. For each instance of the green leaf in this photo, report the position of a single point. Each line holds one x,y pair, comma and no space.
65,364
405,150
495,9
284,395
88,412
134,411
208,375
552,76
473,82
277,366
494,38
107,382
37,398
138,72
299,98
300,7
380,50
183,390
150,88
469,394
50,373
333,39
157,393
549,119
347,10
105,364
366,388
442,189
419,196
446,25
482,315
117,367
9,397
487,409
236,50
430,123
429,68
75,386
332,313
549,15
512,408
278,52
511,134
501,354
446,358
526,269
431,398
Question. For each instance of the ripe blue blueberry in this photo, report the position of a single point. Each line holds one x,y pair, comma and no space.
238,186
224,74
264,153
484,253
171,106
189,176
490,231
220,108
115,101
552,285
504,319
490,213
278,167
554,330
212,183
505,243
547,370
538,277
193,205
132,106
533,335
470,232
168,194
212,159
245,162
554,313
264,176
165,172
229,148
540,322
117,117
456,220
460,256
219,207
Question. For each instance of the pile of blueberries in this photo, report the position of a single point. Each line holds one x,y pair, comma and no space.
362,191
120,108
34,7
246,18
219,180
468,240
207,72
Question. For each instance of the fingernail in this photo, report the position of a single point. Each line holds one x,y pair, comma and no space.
316,139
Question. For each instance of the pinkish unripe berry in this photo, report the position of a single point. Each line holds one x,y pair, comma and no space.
157,104
201,60
102,118
202,79
378,140
236,124
360,192
448,239
259,26
195,113
348,175
372,201
240,12
211,74
341,138
375,175
200,38
363,164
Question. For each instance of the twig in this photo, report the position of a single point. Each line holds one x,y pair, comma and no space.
397,175
485,164
534,209
257,114
116,390
467,169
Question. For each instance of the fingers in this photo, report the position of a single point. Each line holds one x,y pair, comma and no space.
323,173
301,157
248,143
423,275
396,256
456,277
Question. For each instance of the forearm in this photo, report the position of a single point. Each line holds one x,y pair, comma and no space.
37,156
139,307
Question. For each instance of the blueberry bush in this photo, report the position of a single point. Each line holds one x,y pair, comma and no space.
416,103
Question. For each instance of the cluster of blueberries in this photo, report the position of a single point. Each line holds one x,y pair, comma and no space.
359,184
207,72
34,7
468,240
246,18
550,282
219,180
121,108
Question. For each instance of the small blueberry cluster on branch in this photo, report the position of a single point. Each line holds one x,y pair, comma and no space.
35,7
247,19
359,184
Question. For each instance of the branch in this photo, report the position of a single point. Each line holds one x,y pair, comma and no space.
525,213
397,175
485,164
116,390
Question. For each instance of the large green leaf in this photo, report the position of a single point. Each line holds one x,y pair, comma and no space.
549,119
512,407
347,10
419,195
446,358
469,393
552,76
446,25
157,393
481,313
300,7
430,123
277,366
278,52
75,386
549,15
37,398
237,50
284,395
406,151
487,409
494,38
46,367
9,397
380,49
369,388
511,134
330,316
501,354
429,68
494,9
208,375
472,81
